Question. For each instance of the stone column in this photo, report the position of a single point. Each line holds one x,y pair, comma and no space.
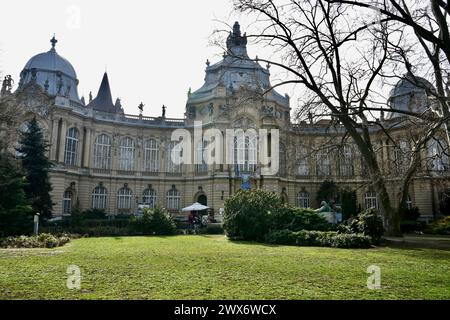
87,148
54,143
62,142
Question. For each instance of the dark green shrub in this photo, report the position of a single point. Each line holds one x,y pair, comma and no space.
212,228
94,214
248,214
327,192
441,227
349,204
297,219
318,239
350,240
314,238
369,223
286,237
154,222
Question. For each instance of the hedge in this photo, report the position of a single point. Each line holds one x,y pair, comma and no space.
318,239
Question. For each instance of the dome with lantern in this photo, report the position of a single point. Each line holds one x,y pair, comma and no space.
53,73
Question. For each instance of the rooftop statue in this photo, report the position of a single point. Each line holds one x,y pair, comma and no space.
7,84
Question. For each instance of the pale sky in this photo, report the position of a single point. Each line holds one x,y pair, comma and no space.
153,51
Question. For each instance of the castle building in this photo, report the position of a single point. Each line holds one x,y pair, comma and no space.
110,160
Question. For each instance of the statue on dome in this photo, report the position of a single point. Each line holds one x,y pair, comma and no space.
164,111
7,84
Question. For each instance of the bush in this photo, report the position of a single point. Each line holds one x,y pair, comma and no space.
43,240
350,240
285,236
296,219
371,224
318,239
157,221
368,223
440,227
314,238
212,228
248,212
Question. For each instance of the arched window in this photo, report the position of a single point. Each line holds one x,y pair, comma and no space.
173,199
176,148
151,156
126,159
102,152
67,202
71,152
99,198
438,156
303,199
323,162
124,198
245,153
346,167
371,200
149,198
302,161
201,156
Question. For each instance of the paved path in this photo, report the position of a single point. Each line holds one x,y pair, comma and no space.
417,241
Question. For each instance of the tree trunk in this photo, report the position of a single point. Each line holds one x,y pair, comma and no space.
389,213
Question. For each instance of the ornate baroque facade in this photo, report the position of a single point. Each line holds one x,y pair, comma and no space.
109,160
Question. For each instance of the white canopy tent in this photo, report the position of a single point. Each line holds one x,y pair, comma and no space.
195,207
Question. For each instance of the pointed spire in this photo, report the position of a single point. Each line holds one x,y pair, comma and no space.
53,41
103,101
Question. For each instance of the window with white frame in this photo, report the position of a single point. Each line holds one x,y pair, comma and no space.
177,150
102,152
124,198
201,156
149,198
302,161
323,162
245,156
173,199
99,198
126,158
346,167
67,202
371,200
71,150
151,156
303,199
438,155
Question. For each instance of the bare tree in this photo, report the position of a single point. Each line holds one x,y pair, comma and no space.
428,22
337,60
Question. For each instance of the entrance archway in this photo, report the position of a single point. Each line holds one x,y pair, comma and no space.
202,199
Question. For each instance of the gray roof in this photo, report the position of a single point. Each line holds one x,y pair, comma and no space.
103,101
53,73
236,70
409,94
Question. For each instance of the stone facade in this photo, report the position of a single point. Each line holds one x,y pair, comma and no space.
107,159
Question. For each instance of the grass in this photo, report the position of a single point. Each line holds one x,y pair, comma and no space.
211,267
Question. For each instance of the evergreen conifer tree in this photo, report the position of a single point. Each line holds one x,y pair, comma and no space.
33,150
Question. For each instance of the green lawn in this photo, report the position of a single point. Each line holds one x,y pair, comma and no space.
211,267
